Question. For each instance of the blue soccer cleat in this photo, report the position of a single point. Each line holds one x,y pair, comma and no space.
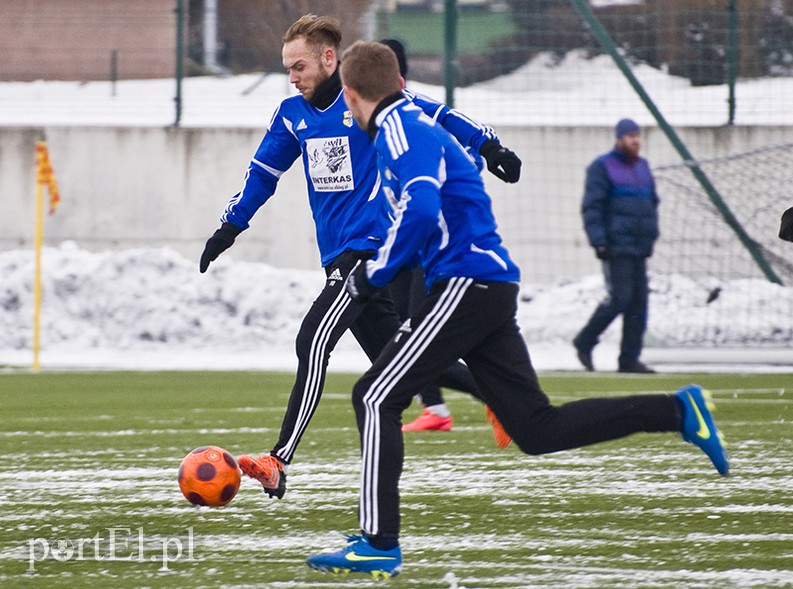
359,557
699,427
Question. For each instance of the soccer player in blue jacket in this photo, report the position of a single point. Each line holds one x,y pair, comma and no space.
620,212
351,215
408,292
444,218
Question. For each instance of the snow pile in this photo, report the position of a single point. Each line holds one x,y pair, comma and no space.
145,298
155,301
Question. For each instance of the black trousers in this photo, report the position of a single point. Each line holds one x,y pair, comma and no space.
464,318
333,312
628,294
409,293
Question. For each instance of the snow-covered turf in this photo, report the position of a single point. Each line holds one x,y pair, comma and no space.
645,512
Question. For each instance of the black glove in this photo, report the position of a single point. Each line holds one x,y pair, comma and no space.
501,162
221,240
786,227
358,286
602,252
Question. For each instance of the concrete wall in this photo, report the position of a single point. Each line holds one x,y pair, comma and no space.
150,187
154,187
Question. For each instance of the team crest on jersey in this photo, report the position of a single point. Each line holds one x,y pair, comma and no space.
348,120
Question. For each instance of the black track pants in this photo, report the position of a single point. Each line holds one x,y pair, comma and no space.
409,293
333,312
475,321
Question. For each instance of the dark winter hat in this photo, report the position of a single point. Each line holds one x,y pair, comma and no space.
398,48
626,127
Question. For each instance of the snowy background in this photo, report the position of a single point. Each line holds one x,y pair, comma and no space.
575,91
150,308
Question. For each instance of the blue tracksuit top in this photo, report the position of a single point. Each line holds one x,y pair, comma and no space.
340,171
620,205
443,216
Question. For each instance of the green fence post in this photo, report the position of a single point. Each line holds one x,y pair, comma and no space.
732,57
607,43
450,50
179,73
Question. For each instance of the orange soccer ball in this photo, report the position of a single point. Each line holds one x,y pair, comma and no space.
209,476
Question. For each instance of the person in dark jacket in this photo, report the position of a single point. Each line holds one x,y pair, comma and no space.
620,213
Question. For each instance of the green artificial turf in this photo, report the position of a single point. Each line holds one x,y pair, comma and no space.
89,462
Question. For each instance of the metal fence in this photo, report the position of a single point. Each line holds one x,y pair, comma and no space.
522,66
543,47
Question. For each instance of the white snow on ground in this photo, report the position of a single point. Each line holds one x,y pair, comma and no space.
152,309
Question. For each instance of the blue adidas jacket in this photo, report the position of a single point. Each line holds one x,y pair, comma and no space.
338,162
620,205
443,216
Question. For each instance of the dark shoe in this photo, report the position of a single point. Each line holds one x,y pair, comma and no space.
637,368
585,357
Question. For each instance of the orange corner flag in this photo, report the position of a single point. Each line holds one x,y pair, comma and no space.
45,176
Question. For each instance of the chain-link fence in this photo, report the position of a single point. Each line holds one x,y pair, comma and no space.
721,75
540,46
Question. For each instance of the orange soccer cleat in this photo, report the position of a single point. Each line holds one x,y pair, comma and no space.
428,421
503,439
266,469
